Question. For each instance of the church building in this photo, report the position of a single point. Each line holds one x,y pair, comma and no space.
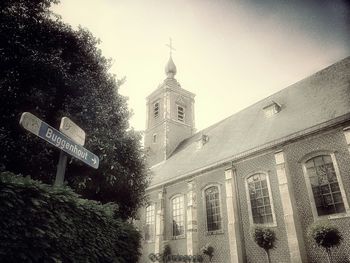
282,163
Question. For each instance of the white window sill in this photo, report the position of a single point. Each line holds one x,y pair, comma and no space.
214,232
334,216
178,237
266,225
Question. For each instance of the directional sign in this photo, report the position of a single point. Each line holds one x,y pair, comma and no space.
58,139
73,131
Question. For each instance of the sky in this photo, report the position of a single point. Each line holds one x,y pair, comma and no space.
230,53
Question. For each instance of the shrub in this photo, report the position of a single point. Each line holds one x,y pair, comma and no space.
39,223
265,238
166,253
209,251
325,235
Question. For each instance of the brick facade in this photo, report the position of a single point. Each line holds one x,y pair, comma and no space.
330,140
334,141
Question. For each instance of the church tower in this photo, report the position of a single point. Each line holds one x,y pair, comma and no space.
170,117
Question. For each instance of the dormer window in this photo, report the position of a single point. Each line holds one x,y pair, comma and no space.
180,113
272,109
156,110
202,141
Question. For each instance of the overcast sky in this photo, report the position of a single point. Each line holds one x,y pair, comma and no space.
230,53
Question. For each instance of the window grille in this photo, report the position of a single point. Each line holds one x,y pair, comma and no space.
212,203
178,216
260,200
324,185
150,218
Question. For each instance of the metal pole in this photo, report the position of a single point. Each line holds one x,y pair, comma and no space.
61,169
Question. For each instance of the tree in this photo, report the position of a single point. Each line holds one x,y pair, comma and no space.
326,236
51,70
265,238
209,251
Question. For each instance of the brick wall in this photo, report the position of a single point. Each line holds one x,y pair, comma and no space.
265,163
219,241
333,140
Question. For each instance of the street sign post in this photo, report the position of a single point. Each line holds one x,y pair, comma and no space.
73,131
77,134
41,129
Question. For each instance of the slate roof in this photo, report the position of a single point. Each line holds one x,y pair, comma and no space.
308,104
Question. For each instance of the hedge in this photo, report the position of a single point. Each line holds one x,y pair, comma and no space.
40,223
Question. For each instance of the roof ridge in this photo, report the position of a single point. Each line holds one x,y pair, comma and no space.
280,91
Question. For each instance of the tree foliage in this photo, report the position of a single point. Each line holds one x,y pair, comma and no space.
51,70
265,238
39,223
325,235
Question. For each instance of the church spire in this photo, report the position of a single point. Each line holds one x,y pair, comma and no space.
170,68
170,116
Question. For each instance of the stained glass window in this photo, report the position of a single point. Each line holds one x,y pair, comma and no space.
324,185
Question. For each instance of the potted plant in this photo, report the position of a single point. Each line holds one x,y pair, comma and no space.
326,236
265,238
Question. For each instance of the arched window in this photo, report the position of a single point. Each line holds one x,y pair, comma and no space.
178,220
325,185
213,211
260,199
150,219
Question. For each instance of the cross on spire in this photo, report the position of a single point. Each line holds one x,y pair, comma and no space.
170,45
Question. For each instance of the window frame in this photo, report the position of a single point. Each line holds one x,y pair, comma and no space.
204,203
156,109
316,217
183,113
250,212
183,235
152,237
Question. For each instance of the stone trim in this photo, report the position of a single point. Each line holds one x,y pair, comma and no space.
233,222
159,237
192,223
294,236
